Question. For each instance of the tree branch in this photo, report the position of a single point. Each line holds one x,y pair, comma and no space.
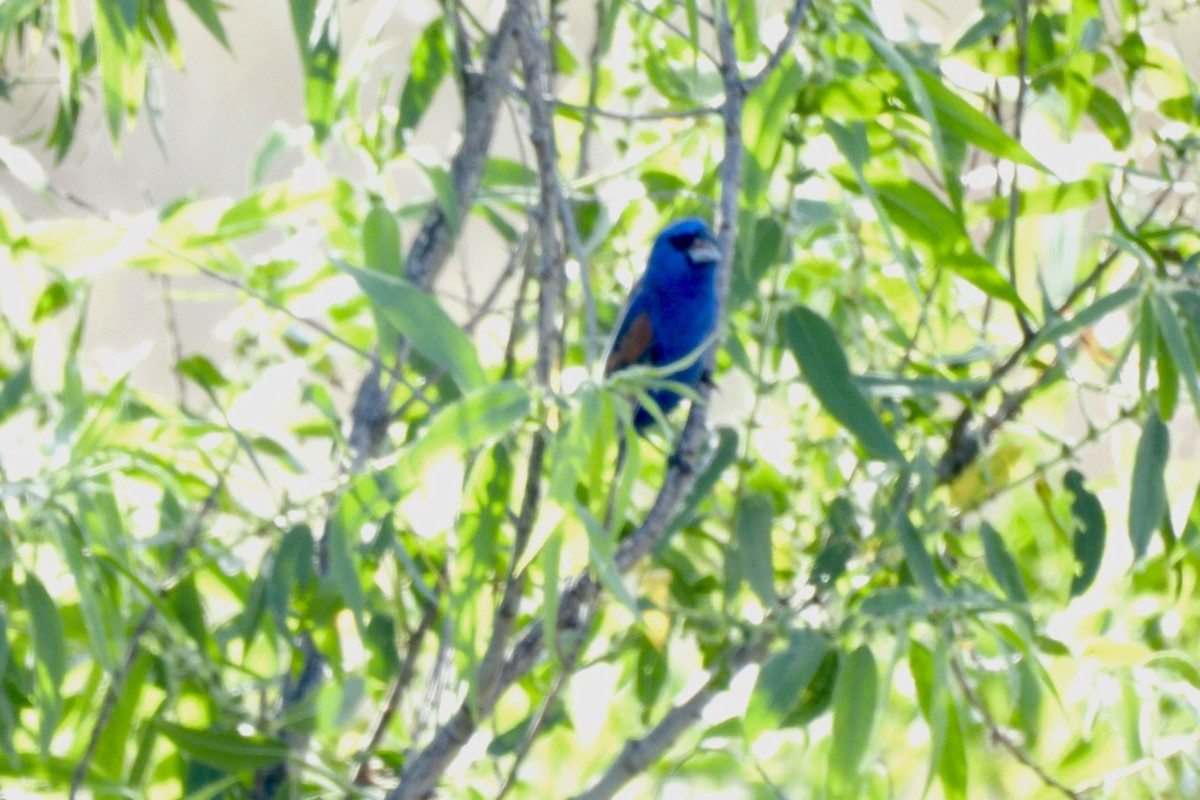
638,754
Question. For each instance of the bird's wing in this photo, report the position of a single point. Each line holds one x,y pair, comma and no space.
631,343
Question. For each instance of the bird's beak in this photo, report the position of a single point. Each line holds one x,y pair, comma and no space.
704,251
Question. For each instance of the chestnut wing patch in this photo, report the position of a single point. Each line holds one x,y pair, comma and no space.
632,345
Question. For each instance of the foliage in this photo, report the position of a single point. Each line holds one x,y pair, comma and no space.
942,540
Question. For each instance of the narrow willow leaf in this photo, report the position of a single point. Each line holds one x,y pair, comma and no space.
381,242
466,425
965,120
1002,565
341,540
1177,346
112,747
224,749
853,721
920,564
601,549
1148,495
207,11
91,606
924,107
814,345
929,222
430,61
14,390
1110,118
1054,199
315,25
418,316
46,631
878,385
1088,317
782,681
119,52
752,531
1090,533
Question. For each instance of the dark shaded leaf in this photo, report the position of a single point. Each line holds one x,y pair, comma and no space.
1148,492
813,343
1090,533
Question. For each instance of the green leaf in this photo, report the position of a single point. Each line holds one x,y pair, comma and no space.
1148,493
1110,118
928,222
853,721
1173,338
46,631
920,564
464,426
341,539
814,345
1090,533
225,750
201,370
122,64
1002,566
430,61
965,120
207,12
923,103
601,551
415,313
381,253
948,755
1089,316
877,385
315,25
1055,199
752,536
14,389
782,681
92,608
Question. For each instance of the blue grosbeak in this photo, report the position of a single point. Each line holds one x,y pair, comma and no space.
671,311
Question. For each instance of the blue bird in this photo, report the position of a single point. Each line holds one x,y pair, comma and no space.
671,311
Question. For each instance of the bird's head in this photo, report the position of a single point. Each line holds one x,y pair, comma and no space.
689,238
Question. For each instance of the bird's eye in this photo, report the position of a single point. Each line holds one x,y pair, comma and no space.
682,241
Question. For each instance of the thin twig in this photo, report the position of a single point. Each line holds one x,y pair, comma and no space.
642,116
395,693
1021,12
781,49
174,337
1001,737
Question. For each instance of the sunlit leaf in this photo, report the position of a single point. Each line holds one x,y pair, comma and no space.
418,316
431,59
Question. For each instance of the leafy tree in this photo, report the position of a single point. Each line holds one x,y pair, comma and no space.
925,541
